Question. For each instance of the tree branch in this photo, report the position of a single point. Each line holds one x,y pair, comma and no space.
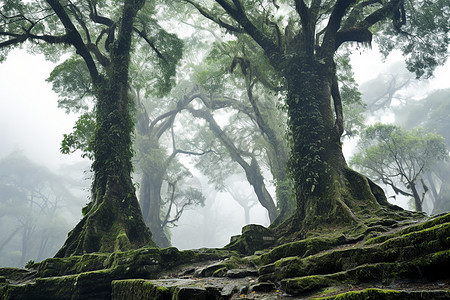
94,16
75,38
355,34
151,44
216,20
273,52
339,124
334,23
378,15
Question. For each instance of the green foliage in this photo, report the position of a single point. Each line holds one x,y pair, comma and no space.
155,63
29,264
424,37
81,137
352,104
70,80
390,154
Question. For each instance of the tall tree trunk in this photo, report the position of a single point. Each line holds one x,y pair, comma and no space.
327,191
150,198
417,200
113,219
153,169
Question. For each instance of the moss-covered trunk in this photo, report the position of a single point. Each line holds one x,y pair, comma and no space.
328,193
113,219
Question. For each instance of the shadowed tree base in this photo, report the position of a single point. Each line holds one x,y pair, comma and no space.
114,225
355,206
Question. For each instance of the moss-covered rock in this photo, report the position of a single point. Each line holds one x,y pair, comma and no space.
138,289
170,289
254,237
307,284
301,248
89,276
381,294
412,245
415,228
318,266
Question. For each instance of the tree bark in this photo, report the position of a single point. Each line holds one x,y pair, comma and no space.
150,199
113,219
326,190
417,200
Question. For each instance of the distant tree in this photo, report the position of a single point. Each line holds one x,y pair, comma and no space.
400,158
103,35
300,40
245,159
242,195
380,92
32,203
431,113
156,165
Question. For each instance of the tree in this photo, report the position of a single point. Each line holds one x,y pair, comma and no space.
103,36
32,199
155,166
253,100
431,113
251,168
394,156
242,195
301,47
380,92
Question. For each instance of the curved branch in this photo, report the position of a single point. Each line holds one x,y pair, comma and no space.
271,48
203,11
360,35
75,38
20,38
334,23
103,60
94,16
151,44
378,15
339,124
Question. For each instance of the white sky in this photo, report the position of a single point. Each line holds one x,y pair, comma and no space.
367,64
29,117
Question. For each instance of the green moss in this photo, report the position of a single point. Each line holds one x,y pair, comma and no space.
222,272
415,228
301,248
381,294
306,284
138,289
122,242
253,238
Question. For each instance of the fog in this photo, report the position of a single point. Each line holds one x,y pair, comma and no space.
32,125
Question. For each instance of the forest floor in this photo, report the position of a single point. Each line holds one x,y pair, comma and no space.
408,261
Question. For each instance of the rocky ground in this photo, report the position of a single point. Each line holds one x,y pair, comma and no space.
398,260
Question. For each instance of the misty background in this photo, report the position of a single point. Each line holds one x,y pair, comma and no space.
49,188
